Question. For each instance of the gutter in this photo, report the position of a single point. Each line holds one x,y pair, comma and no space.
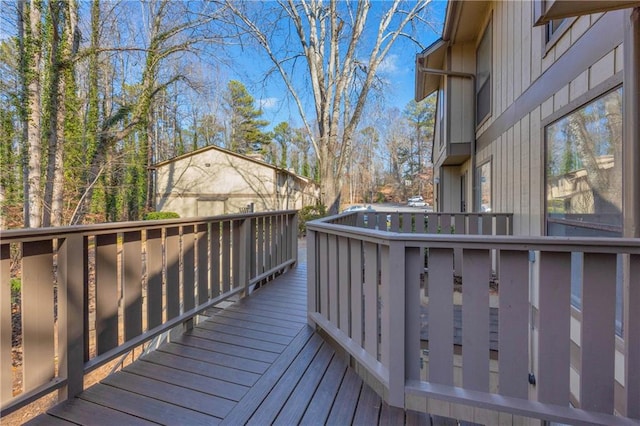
472,77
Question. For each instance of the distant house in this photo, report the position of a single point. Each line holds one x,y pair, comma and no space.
214,181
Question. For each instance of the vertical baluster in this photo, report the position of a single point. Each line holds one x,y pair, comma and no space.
261,236
459,224
476,270
253,247
474,226
214,249
355,250
293,229
72,314
203,262
236,253
407,222
274,243
312,272
172,247
244,248
107,296
632,337
487,224
440,284
445,224
344,286
554,329
395,222
414,260
597,339
323,274
513,323
281,245
189,264
501,225
370,304
154,278
432,223
5,323
132,285
226,256
420,218
333,279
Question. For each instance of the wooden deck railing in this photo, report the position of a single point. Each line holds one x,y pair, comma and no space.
369,288
92,293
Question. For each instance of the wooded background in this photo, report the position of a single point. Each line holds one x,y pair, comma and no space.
93,93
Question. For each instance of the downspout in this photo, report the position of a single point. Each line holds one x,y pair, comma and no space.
472,77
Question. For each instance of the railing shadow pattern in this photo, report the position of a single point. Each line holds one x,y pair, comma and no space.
89,294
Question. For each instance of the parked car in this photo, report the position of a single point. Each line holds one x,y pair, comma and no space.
356,209
416,201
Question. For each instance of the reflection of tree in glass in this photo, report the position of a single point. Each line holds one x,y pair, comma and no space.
584,174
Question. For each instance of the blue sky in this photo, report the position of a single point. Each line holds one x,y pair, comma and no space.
398,71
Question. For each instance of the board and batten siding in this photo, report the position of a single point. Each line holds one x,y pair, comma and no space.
528,93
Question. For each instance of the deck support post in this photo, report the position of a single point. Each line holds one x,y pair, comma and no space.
72,315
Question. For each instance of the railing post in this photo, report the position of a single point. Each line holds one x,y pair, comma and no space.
293,229
311,274
393,322
242,251
71,314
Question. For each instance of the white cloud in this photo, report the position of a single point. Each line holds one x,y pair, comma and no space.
268,103
389,65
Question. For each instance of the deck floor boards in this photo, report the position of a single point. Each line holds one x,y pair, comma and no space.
252,361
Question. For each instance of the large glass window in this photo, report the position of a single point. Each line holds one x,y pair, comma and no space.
483,76
584,170
484,188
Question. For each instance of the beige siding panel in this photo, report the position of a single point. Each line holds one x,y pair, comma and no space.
579,27
602,70
579,85
510,10
562,45
619,59
503,52
561,98
536,52
547,59
517,170
547,108
524,177
517,49
510,169
536,173
525,44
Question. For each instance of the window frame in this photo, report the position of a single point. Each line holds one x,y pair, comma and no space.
479,121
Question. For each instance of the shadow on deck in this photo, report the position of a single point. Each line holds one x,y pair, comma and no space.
254,362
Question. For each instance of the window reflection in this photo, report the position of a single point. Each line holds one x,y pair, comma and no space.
584,170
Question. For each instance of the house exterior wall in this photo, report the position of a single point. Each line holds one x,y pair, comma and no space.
214,182
534,83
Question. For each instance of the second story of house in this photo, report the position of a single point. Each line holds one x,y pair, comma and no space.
530,111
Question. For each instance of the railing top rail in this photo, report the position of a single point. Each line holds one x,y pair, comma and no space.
503,242
100,228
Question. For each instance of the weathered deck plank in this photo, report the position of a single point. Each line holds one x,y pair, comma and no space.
253,362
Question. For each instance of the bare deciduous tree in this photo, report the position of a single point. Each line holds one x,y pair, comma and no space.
342,49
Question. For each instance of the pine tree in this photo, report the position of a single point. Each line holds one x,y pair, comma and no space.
246,136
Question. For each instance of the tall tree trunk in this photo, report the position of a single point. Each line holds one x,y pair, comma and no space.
54,109
32,62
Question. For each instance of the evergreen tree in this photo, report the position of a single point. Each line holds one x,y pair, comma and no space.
246,127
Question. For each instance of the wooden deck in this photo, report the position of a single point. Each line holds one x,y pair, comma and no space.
255,362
